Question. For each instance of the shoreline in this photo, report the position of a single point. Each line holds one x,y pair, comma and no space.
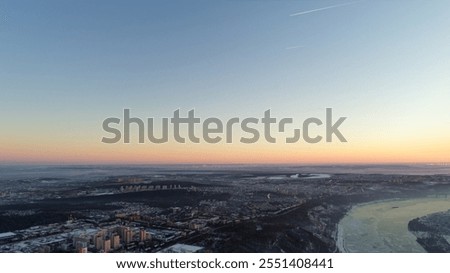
340,232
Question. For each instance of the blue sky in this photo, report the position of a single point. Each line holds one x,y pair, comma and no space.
67,65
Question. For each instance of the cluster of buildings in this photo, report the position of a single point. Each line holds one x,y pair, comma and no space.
110,239
76,236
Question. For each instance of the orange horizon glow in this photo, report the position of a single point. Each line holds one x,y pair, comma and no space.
339,153
396,142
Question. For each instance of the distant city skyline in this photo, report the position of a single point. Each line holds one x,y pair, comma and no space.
67,66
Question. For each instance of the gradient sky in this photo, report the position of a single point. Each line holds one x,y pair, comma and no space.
65,66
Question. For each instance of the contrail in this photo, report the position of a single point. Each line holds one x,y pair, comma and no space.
294,47
324,8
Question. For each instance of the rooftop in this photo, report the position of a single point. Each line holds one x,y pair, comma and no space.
182,248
